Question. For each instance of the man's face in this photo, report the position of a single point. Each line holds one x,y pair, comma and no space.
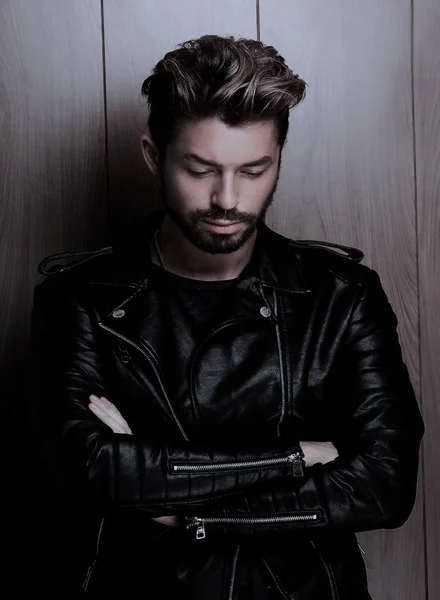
218,182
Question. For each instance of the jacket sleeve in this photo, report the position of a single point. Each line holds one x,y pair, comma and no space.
373,482
116,469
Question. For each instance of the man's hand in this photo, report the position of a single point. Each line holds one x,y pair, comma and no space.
109,414
318,452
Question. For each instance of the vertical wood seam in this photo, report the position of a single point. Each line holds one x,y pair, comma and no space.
419,311
104,87
257,11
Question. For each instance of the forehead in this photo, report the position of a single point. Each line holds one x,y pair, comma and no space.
224,144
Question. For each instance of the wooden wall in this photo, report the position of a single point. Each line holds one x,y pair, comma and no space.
426,82
361,167
349,177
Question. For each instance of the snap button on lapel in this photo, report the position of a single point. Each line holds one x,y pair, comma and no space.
117,314
265,312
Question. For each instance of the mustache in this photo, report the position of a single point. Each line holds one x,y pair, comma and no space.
215,214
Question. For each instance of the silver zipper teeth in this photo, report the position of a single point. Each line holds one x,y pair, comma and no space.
98,538
281,357
91,568
199,522
142,351
88,576
267,462
276,581
149,387
253,520
234,568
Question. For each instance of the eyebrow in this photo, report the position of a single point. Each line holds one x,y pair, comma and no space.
260,162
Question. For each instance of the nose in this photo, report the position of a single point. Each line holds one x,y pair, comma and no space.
225,194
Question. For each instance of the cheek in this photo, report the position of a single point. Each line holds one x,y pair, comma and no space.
175,189
188,191
257,191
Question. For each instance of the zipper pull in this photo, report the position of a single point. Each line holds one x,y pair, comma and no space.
125,355
200,525
297,464
200,531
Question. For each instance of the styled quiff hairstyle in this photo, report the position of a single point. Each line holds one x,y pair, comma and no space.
239,81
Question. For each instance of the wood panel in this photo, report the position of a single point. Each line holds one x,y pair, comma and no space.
53,198
348,177
53,135
427,120
135,39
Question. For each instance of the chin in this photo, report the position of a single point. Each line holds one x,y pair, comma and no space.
217,243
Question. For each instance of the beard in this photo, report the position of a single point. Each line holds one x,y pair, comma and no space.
190,223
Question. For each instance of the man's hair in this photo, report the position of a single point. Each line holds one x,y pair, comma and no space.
239,81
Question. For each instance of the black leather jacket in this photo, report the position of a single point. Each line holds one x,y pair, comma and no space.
306,351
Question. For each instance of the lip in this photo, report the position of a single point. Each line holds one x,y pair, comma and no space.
222,223
223,226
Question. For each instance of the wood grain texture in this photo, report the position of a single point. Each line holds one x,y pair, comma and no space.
53,134
348,177
135,39
427,121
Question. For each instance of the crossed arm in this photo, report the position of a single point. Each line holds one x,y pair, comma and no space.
371,484
314,452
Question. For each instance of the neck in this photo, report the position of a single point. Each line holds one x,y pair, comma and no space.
183,258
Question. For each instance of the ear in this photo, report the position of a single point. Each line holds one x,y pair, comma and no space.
151,153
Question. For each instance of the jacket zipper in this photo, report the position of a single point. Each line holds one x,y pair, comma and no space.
199,522
153,363
89,574
281,357
234,568
126,359
293,459
330,574
276,581
91,568
150,388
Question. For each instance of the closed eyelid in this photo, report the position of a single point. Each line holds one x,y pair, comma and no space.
221,171
264,161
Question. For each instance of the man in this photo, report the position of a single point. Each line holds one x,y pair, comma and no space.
231,405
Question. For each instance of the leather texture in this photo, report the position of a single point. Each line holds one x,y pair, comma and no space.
306,349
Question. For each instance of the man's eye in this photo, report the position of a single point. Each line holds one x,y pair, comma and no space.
253,173
198,173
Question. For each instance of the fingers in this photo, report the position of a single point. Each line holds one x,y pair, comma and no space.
108,403
108,418
100,411
109,414
111,410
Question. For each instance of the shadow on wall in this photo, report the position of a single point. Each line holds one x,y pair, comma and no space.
132,191
73,211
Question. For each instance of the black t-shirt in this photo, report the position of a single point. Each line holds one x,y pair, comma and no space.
196,301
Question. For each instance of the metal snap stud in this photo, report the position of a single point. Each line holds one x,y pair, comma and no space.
117,314
265,312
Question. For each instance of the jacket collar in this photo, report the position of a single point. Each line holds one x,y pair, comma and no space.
277,263
124,268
